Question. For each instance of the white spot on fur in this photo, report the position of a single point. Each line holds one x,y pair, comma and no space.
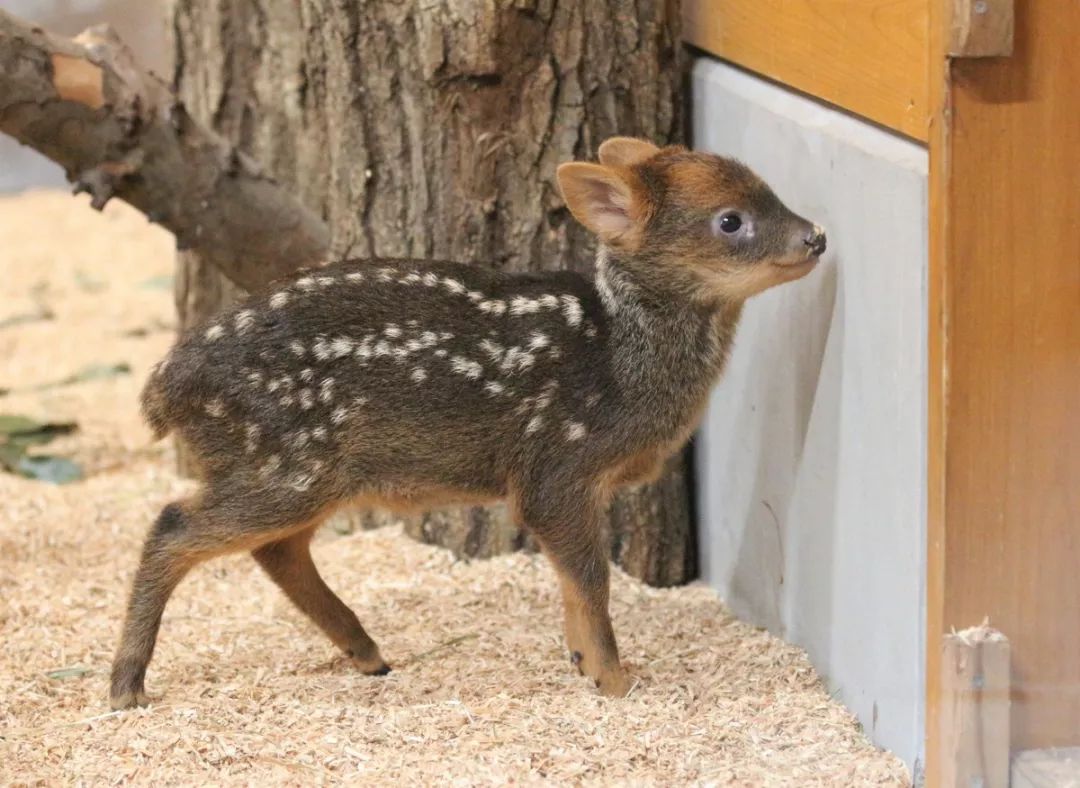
590,329
307,399
342,346
519,305
382,348
592,400
307,374
306,283
251,433
445,335
392,331
453,285
299,439
430,279
214,332
538,341
535,423
475,296
215,407
493,349
321,349
419,375
326,390
517,359
273,462
279,299
429,338
354,276
297,348
254,378
339,415
325,281
273,385
493,387
441,353
571,309
386,274
245,319
575,430
287,400
413,345
410,279
319,433
549,301
363,351
463,366
493,307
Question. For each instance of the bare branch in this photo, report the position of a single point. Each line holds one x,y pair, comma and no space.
119,131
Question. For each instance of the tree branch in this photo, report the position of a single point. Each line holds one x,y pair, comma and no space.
119,131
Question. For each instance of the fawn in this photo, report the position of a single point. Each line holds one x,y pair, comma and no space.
408,384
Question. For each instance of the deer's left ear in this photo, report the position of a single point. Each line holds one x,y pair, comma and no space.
625,151
603,199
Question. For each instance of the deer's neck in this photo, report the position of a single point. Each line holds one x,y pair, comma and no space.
667,349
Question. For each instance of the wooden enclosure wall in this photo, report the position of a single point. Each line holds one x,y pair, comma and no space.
1004,395
868,56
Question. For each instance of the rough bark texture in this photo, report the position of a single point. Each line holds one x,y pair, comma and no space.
433,129
118,131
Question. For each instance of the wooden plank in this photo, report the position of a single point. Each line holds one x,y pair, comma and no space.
866,56
1004,442
981,28
975,709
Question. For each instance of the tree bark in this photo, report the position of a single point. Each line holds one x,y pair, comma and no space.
118,131
433,129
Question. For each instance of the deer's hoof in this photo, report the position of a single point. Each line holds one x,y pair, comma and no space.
129,700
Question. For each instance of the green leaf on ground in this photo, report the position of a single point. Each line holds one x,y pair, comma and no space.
88,373
74,672
41,313
46,468
157,283
19,433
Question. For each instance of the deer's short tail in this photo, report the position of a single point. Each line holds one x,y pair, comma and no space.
155,404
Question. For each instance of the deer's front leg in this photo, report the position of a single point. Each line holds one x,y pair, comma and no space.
566,523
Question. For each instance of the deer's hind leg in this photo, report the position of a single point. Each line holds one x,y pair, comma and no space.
288,562
185,534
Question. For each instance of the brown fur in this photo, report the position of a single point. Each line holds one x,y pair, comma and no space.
411,384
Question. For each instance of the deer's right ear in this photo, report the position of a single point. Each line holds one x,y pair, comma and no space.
625,151
603,200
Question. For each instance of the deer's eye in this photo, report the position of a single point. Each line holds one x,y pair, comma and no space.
728,223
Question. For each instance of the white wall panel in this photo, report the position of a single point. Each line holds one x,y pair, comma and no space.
811,460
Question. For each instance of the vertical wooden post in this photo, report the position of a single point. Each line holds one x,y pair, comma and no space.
974,723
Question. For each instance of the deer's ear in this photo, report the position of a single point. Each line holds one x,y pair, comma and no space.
625,151
603,200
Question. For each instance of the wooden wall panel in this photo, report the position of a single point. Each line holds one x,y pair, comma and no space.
866,56
1005,365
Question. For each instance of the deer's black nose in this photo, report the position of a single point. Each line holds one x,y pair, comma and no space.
816,241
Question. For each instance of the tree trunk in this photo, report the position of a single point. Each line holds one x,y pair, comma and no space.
433,129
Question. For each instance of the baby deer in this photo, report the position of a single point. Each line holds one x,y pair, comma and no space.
408,384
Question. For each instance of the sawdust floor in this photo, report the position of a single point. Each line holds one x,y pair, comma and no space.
481,692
